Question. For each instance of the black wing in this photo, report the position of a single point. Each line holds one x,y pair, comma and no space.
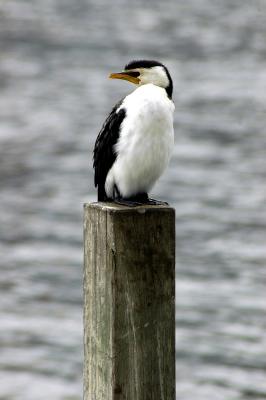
104,154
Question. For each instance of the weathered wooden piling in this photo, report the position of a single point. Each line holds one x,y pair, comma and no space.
129,302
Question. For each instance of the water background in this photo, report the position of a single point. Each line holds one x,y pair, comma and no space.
55,57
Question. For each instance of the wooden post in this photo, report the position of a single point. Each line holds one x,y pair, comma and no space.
129,295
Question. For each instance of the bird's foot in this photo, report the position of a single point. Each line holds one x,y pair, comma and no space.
141,199
133,201
154,202
127,203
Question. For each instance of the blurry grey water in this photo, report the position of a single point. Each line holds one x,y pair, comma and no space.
54,95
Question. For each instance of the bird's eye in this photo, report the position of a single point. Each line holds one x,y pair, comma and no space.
134,74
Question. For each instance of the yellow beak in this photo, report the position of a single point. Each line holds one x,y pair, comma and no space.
125,76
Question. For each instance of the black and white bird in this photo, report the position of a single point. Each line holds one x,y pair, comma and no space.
135,143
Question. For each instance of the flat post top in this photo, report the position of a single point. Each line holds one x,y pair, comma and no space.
119,208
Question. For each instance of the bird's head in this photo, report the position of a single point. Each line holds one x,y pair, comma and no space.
142,72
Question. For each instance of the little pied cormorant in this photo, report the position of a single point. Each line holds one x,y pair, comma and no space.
134,145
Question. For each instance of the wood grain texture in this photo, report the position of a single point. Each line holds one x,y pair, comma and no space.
129,310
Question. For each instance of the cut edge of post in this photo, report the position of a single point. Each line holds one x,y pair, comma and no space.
121,208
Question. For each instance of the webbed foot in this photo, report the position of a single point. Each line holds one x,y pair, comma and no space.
154,202
139,200
127,202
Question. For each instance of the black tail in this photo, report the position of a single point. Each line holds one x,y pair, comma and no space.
102,196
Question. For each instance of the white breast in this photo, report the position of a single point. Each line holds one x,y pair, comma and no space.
145,143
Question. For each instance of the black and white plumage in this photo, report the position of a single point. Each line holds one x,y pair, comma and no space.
134,145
